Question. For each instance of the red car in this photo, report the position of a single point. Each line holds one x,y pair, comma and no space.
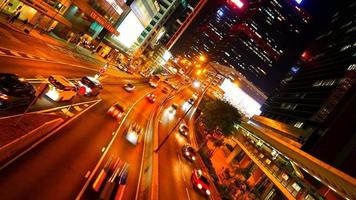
151,97
165,90
116,111
200,182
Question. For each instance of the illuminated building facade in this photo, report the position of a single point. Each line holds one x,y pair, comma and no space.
252,39
149,33
319,93
46,14
180,20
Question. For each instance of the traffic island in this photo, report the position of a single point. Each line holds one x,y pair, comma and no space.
19,137
16,136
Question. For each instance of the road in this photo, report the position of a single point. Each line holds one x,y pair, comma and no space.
59,165
174,169
56,168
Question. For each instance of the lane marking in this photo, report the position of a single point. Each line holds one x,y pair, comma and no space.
77,108
87,174
86,184
113,133
30,56
15,53
186,189
103,149
67,112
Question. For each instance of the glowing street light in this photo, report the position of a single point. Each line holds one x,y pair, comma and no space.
196,84
199,72
202,58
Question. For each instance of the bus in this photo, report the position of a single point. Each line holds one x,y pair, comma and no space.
154,81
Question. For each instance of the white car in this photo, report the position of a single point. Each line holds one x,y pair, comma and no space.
129,87
134,134
60,89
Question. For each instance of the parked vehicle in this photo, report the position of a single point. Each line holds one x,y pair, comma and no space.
154,81
92,86
60,89
15,91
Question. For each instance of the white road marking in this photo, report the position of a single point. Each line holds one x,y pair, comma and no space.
87,174
30,56
15,53
67,112
103,149
86,105
181,166
2,53
113,133
186,189
77,108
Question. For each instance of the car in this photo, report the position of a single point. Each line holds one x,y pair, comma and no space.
144,74
116,111
173,109
92,86
189,153
129,87
15,91
195,95
174,86
130,70
183,129
191,101
60,89
200,182
165,90
134,134
121,67
151,97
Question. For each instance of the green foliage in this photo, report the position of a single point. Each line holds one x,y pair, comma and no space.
158,70
220,115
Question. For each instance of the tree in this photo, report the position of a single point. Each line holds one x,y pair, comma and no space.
220,116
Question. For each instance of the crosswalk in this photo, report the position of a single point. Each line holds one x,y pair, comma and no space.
19,54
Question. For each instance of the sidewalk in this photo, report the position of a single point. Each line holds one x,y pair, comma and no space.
50,37
54,41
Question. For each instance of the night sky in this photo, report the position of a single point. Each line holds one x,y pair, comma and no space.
320,10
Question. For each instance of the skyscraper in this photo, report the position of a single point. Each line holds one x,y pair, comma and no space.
319,93
254,37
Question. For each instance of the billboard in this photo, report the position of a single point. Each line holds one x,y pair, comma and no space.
240,99
130,29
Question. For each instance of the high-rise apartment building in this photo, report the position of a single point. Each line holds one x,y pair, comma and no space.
319,94
254,38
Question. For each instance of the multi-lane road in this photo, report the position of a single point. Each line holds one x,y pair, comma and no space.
66,164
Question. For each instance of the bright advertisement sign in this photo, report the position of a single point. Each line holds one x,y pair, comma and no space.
130,29
239,99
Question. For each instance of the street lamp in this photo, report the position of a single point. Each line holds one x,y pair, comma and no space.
196,84
202,58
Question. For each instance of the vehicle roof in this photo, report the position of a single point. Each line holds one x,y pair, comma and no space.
120,106
62,80
92,79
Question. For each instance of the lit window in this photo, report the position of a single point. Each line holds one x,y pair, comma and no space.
345,47
351,67
298,124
